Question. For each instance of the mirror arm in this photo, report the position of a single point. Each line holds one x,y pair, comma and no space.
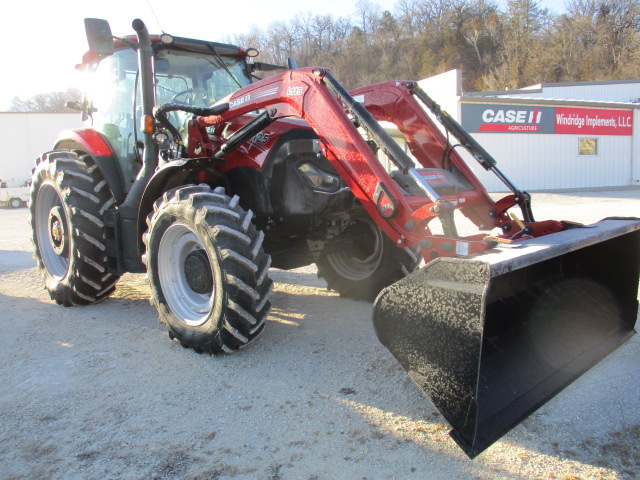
128,43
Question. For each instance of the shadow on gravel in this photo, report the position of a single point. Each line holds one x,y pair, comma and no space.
616,451
304,279
300,323
15,260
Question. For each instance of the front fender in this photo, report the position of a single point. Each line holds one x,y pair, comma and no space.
171,175
92,143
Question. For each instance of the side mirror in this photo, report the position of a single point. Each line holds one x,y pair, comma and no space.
99,36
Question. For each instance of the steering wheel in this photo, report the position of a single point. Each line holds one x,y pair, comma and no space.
192,97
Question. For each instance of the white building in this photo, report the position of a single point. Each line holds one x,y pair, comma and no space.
548,136
553,135
27,136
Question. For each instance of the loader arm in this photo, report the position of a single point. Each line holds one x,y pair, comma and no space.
303,94
338,118
400,104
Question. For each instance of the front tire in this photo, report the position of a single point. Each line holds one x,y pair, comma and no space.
68,200
15,203
207,270
364,261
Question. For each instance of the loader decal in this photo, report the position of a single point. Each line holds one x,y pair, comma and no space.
266,93
294,91
269,92
239,101
387,205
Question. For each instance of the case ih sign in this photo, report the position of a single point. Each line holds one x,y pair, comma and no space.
487,118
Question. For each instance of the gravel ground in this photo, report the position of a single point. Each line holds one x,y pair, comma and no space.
100,392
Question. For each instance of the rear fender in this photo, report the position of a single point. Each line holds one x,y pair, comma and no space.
91,142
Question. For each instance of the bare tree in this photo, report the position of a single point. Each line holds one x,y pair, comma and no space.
497,46
368,15
52,102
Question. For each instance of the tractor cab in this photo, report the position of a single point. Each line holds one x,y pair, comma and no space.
185,71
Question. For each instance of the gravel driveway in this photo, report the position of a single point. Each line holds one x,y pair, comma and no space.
100,392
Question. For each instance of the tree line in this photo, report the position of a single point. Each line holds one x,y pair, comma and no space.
50,102
496,47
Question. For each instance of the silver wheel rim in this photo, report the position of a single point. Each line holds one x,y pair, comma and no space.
47,199
352,268
189,306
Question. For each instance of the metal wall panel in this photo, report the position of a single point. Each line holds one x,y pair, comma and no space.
27,136
547,162
627,92
623,92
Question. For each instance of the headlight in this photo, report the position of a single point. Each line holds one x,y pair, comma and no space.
318,178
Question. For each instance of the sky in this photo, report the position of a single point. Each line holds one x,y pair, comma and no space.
44,39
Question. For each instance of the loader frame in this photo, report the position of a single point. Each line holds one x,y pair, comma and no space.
338,117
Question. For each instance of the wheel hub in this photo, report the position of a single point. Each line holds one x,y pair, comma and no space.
57,234
197,272
362,254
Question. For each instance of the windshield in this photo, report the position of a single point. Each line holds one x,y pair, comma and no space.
196,79
193,79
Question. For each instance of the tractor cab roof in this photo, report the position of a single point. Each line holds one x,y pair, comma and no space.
189,44
166,41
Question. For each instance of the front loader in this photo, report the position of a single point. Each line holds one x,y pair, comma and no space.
286,172
489,334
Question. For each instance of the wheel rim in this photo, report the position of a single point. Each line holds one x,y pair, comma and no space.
181,251
52,229
361,264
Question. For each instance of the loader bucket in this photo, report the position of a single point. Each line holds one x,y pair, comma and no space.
492,337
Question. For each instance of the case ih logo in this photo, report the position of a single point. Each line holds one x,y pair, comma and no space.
500,120
485,118
239,101
507,118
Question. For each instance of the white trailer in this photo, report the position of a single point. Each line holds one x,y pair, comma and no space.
14,195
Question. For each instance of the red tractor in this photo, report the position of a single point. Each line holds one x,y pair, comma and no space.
200,176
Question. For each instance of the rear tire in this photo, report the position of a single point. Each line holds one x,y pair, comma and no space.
15,203
207,270
367,263
67,203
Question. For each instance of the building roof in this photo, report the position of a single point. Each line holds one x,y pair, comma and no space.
505,99
539,88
